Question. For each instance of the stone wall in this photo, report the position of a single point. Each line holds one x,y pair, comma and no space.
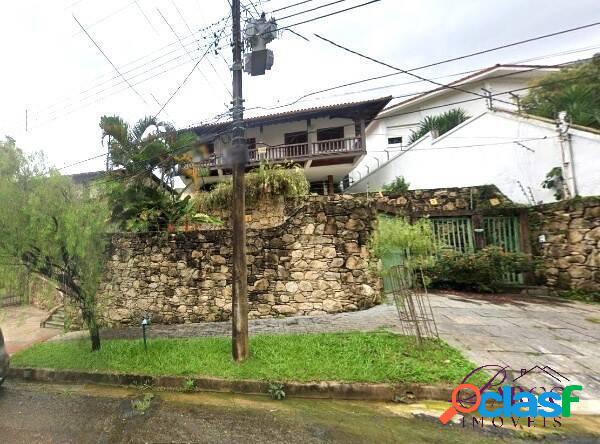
570,251
316,262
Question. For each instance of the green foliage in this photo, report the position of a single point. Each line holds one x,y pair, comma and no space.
555,181
442,123
265,182
53,229
481,270
575,89
189,386
139,200
351,357
276,391
398,185
142,405
581,295
396,238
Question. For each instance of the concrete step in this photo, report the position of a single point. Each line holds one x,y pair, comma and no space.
55,324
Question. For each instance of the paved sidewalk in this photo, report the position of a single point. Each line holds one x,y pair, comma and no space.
21,327
519,331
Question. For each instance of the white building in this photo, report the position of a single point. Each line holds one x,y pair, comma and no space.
512,151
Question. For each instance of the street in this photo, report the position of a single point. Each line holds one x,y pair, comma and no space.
44,413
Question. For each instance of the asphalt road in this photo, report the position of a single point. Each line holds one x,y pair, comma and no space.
42,413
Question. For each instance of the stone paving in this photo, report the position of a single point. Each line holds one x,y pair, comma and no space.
519,331
21,327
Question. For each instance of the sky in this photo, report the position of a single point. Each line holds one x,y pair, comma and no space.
53,72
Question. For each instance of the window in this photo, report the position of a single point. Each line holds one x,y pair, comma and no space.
395,140
330,133
251,142
294,138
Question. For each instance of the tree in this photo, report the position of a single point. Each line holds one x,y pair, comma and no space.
441,123
53,229
142,196
574,89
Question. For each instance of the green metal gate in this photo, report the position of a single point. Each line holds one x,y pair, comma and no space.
453,232
504,232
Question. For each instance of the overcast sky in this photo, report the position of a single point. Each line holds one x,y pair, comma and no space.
52,69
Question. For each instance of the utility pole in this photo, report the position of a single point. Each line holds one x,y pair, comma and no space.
238,158
566,151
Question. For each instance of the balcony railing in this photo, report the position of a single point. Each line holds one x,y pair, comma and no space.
292,152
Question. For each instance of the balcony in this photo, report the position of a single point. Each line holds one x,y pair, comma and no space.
295,153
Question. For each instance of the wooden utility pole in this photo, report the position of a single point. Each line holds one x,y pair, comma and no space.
238,158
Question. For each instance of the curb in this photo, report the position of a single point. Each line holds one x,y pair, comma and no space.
317,390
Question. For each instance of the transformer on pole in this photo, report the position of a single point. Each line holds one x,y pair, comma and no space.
258,33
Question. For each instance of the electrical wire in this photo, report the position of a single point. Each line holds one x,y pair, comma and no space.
369,79
109,60
372,59
312,9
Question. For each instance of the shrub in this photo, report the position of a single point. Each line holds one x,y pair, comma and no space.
265,182
482,270
398,185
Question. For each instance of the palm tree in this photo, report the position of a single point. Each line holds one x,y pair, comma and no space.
441,123
142,154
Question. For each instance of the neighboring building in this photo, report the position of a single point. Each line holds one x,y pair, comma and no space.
327,142
391,131
510,150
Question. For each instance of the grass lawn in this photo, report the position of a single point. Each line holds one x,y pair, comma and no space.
350,357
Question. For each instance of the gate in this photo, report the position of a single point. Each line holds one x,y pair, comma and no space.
504,232
14,285
453,232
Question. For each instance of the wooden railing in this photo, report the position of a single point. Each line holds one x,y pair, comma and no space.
294,151
337,145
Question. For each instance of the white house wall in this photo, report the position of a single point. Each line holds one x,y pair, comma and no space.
482,151
408,117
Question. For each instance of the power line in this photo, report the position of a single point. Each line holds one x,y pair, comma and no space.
181,16
312,9
329,15
109,60
146,17
443,86
290,6
369,79
200,31
112,14
184,81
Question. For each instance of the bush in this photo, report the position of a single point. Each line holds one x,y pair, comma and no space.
265,182
395,238
398,185
480,271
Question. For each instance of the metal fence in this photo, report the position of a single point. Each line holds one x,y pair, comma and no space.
14,285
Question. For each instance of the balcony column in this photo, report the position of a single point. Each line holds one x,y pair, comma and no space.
363,138
312,137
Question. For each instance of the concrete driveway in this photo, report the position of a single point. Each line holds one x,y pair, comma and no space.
522,332
21,327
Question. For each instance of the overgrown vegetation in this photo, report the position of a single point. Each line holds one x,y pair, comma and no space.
555,181
396,240
398,185
581,295
265,182
575,89
362,357
441,123
53,228
141,187
481,270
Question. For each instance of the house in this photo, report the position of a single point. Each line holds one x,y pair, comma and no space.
480,152
327,142
513,151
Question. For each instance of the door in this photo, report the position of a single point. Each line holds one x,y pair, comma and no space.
504,232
